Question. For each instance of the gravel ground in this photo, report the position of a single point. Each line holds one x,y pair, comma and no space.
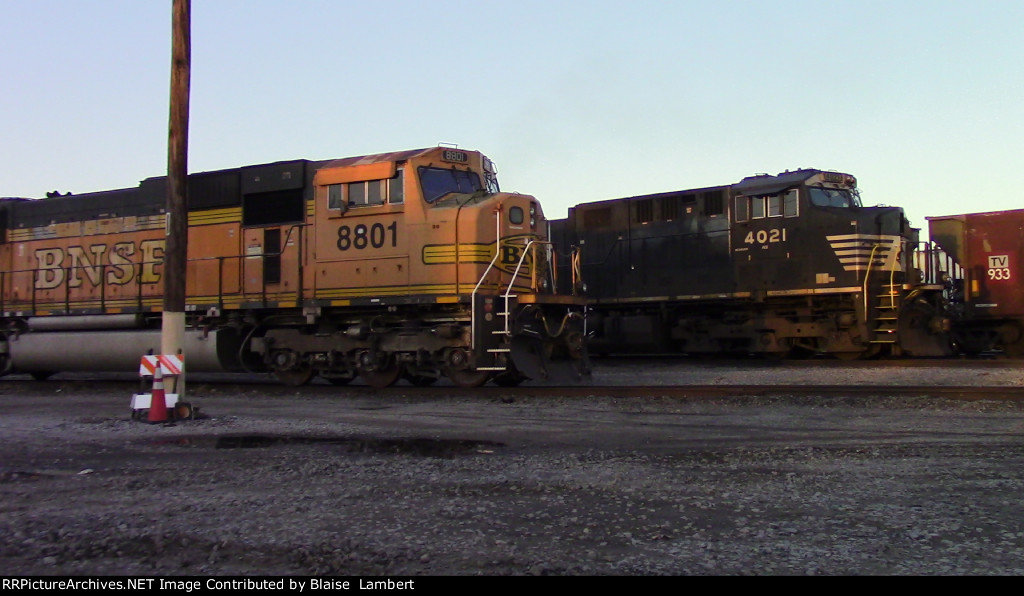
299,484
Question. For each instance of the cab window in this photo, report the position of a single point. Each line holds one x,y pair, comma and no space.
760,207
791,203
833,197
368,193
742,210
757,207
437,182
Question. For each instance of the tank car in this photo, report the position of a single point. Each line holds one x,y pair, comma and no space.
784,265
981,255
407,265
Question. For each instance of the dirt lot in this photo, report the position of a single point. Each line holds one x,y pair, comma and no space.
299,482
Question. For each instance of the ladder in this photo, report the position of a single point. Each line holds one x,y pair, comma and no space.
507,300
887,310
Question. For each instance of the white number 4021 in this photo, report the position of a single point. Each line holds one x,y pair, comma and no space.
766,236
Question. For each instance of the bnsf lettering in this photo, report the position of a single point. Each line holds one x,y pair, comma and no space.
88,264
363,236
510,254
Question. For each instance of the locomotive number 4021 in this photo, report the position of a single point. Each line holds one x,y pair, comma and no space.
766,236
368,236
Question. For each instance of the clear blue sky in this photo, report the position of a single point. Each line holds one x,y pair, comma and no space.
921,100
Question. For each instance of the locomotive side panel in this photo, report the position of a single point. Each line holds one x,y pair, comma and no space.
362,228
679,245
768,245
601,230
63,269
674,244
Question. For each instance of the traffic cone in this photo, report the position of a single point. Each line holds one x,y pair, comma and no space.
158,401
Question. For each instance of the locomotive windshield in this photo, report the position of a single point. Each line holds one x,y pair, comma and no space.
437,182
833,197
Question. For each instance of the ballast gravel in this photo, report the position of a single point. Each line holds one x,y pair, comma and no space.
355,484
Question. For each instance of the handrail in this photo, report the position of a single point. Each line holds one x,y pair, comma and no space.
508,291
62,293
867,277
522,259
472,298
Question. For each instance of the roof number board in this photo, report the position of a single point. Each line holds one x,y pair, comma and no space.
456,156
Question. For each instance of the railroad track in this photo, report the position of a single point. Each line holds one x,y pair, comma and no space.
700,391
261,386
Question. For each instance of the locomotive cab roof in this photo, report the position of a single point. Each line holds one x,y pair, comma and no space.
765,184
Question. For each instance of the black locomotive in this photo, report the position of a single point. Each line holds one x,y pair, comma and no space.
781,265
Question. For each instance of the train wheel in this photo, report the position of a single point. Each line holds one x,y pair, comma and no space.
1012,339
379,379
923,331
468,378
295,377
380,372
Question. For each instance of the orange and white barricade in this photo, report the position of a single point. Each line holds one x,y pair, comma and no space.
160,367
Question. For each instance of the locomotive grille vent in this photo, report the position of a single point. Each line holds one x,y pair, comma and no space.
644,211
669,208
854,251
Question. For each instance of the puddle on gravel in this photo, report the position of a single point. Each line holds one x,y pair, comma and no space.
418,447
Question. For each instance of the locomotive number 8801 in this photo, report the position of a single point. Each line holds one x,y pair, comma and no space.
399,265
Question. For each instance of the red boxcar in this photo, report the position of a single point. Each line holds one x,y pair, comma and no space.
989,248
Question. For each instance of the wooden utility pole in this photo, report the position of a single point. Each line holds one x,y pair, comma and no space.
176,243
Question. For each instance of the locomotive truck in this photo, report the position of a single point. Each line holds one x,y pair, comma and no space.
410,264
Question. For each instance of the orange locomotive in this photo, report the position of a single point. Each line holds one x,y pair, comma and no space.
408,264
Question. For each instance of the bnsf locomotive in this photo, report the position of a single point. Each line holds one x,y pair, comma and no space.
774,265
401,265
